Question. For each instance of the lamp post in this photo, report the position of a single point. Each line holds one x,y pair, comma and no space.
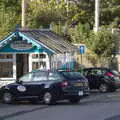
97,12
23,7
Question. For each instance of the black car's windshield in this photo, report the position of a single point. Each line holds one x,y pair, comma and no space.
73,75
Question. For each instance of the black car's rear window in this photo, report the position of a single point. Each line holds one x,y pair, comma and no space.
115,72
72,75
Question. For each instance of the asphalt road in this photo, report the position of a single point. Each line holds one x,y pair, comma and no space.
96,107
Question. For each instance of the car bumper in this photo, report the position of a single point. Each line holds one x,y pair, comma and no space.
79,93
0,94
115,84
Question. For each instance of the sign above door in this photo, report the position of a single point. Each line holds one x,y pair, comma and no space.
21,45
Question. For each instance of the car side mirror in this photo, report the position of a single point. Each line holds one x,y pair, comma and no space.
19,81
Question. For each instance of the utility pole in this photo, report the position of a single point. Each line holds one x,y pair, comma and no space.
97,12
23,7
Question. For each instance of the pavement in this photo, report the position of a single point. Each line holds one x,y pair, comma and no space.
98,106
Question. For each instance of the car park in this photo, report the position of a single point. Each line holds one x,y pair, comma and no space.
48,86
104,79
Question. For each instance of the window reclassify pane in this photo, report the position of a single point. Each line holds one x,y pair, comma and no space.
37,56
38,65
73,75
6,69
26,77
54,76
39,76
6,56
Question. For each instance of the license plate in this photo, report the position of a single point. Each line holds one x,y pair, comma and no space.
79,84
117,83
80,93
85,84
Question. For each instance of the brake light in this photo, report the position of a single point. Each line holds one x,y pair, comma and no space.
64,84
109,74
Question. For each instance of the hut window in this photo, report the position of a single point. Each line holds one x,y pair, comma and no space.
37,56
38,65
39,61
34,56
6,56
6,69
42,56
6,65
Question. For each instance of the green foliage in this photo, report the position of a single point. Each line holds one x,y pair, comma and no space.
103,45
100,46
9,16
80,33
43,13
103,39
72,19
110,12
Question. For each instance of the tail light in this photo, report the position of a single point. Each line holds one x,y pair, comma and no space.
109,74
64,84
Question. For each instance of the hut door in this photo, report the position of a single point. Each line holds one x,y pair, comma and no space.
22,64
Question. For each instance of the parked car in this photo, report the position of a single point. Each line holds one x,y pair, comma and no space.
104,79
48,86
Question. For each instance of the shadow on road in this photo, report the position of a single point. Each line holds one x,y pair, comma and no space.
22,112
94,98
117,117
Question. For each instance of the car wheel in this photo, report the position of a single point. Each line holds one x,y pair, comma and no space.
7,97
48,98
34,101
103,88
74,100
112,90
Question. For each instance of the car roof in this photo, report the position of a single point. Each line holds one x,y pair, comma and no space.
52,70
38,70
101,68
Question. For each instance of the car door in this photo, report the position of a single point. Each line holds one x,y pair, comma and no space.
32,83
24,85
54,80
38,82
97,77
90,74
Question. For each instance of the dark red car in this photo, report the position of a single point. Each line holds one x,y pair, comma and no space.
104,79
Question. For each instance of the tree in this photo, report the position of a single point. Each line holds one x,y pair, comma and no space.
110,10
80,33
101,46
9,16
72,19
43,13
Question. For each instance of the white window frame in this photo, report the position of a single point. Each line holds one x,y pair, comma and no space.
13,60
31,60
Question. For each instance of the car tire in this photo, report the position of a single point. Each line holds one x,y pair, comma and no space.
48,98
34,101
74,100
7,97
112,90
104,88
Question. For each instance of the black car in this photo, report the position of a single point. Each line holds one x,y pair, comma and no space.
104,79
48,86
